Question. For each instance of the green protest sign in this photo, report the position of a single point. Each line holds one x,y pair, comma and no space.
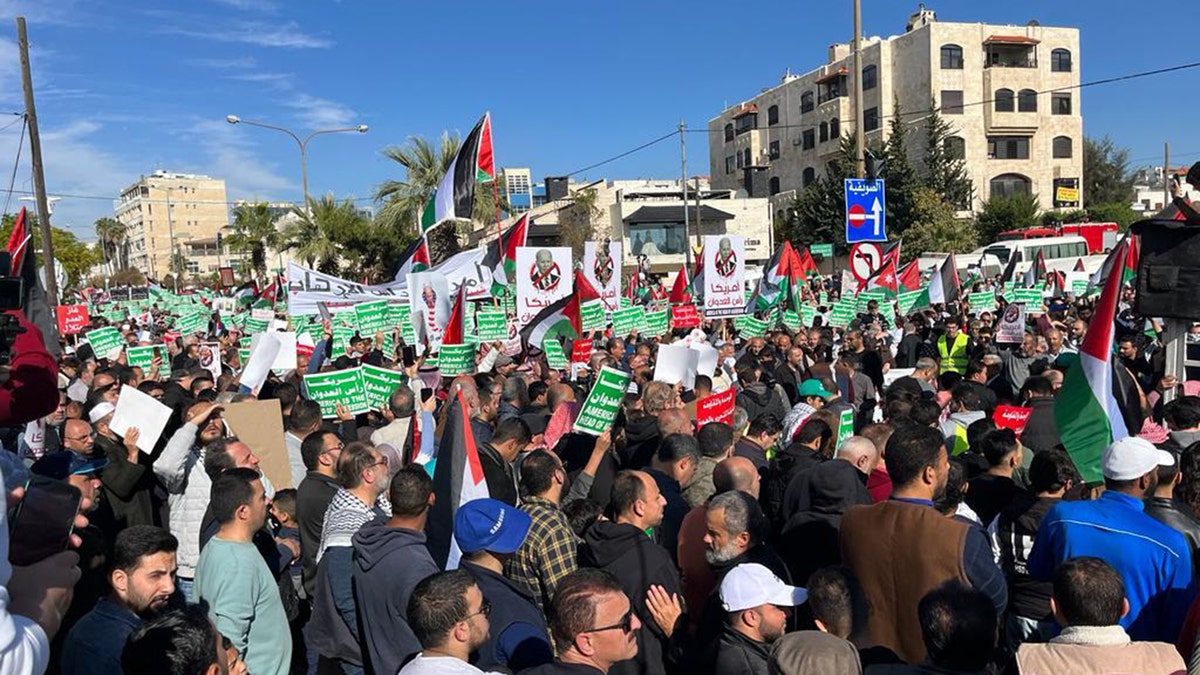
808,315
624,302
866,296
341,339
983,301
371,317
823,250
379,383
1079,287
104,340
457,359
773,317
913,300
244,355
143,357
555,357
658,323
842,314
752,327
591,314
602,403
792,320
845,426
254,325
625,321
398,315
492,325
344,387
389,345
1032,297
193,323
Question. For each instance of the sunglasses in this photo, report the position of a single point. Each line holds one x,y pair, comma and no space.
625,624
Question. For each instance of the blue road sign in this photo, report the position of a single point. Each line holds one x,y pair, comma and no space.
866,210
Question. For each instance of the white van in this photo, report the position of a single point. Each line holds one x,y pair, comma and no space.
1060,254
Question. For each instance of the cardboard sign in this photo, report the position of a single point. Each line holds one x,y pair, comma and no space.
1012,417
684,316
626,321
716,408
72,319
491,326
104,340
603,402
658,323
555,357
677,364
457,359
581,351
591,314
259,424
343,387
379,384
143,411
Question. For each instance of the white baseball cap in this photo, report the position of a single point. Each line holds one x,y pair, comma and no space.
751,585
102,410
1133,457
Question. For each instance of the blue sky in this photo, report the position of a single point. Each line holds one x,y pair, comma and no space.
127,87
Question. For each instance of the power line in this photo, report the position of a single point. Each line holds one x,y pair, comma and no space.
624,154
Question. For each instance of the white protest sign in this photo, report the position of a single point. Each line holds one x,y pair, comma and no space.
543,277
262,356
724,275
677,363
286,358
431,300
143,411
706,363
602,269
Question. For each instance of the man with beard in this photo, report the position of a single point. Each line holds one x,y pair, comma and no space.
545,274
449,616
903,548
726,259
142,581
1153,559
758,605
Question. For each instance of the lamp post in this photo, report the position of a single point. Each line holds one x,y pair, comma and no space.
301,143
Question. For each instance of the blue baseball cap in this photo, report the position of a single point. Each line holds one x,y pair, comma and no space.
59,465
490,525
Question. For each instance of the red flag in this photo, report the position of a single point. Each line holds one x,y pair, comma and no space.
679,290
803,263
909,276
18,241
584,291
454,332
884,279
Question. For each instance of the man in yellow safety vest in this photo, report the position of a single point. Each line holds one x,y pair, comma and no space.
954,348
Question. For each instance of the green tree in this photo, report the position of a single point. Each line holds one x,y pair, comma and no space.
77,258
253,233
1106,176
901,178
577,221
110,234
945,170
1014,212
310,242
936,228
128,276
818,211
1121,213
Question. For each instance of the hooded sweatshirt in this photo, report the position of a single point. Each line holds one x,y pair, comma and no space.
637,563
759,399
642,440
388,564
959,420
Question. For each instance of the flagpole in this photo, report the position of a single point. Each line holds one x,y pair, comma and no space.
499,233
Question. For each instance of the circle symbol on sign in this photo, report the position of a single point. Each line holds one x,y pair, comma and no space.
865,259
857,215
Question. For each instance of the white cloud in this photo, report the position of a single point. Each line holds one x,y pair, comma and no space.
262,34
280,81
251,5
319,113
231,153
224,64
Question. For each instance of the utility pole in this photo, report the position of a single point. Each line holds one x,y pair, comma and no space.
1166,174
35,151
860,134
687,234
171,234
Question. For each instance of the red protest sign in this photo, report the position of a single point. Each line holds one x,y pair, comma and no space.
684,316
581,351
170,337
716,408
1011,417
72,319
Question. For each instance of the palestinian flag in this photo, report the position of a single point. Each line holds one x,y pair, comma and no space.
805,266
414,259
1124,257
774,282
884,279
1079,265
563,317
246,293
1036,270
909,277
1010,270
18,242
680,292
454,198
501,256
1086,412
456,325
457,479
891,251
1056,284
944,286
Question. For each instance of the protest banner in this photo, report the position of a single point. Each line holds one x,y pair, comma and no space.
716,408
72,319
602,269
724,275
1012,417
626,321
1012,324
457,360
371,317
752,327
104,340
845,426
808,315
603,402
791,320
340,387
379,383
911,301
555,357
658,323
581,350
543,277
1032,297
491,325
684,316
143,357
591,314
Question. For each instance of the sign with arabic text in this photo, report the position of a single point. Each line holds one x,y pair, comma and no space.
602,402
340,387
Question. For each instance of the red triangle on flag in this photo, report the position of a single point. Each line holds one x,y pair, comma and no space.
453,335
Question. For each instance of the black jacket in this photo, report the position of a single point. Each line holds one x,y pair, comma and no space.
673,512
1041,431
737,653
1180,518
908,351
389,562
517,637
810,536
312,500
127,486
783,467
637,563
758,399
641,441
499,473
712,618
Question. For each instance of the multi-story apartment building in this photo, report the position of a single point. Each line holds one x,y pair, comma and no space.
172,211
1010,93
518,189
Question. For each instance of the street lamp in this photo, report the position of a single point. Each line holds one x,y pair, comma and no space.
303,144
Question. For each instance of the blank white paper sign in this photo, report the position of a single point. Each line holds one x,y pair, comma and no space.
677,363
135,409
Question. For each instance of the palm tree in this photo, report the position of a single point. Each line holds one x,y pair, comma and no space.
111,235
425,163
309,236
254,233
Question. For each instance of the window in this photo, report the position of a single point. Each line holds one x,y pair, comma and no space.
738,157
1008,147
870,77
952,102
952,57
1062,147
1060,61
955,147
809,176
1008,55
746,158
1060,103
1010,184
773,115
835,130
729,164
1027,101
1004,100
728,132
824,131
773,150
746,122
809,139
657,238
871,119
806,102
773,185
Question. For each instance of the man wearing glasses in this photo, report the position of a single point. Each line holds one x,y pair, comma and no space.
320,451
593,623
449,616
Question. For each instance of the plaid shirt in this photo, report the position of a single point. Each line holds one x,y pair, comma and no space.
548,553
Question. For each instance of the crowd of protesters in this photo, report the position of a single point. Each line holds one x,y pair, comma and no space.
924,539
